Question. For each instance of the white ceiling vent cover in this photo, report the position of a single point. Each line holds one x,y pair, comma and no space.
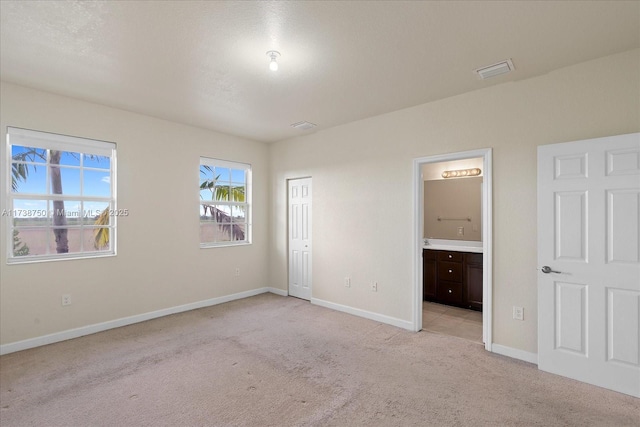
493,70
303,125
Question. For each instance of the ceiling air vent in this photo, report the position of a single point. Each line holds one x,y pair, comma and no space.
502,67
303,125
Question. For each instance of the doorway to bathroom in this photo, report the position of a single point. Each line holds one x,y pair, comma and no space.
453,245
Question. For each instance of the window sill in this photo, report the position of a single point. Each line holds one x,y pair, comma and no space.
223,244
34,260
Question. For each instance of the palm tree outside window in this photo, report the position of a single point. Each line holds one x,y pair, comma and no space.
224,203
61,202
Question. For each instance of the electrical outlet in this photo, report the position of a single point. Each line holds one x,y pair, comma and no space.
518,313
460,231
347,282
66,299
237,271
374,286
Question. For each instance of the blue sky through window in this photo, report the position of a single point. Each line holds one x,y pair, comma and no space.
82,175
223,177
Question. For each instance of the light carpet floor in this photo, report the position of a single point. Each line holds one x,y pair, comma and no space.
276,361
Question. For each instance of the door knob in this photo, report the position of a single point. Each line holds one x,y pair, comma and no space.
546,270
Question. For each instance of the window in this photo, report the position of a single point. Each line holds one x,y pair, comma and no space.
61,199
225,203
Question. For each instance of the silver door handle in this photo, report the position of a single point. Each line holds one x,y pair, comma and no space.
546,270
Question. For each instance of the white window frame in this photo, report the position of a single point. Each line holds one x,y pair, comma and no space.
247,204
51,141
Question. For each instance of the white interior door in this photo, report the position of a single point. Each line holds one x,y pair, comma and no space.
300,238
589,237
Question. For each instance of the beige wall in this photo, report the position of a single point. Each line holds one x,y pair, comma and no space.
159,262
362,177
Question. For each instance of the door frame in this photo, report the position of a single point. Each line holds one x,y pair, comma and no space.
288,218
487,236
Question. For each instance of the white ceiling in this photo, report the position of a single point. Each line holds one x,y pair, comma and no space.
204,63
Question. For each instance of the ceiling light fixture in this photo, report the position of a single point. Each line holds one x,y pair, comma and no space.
273,54
461,173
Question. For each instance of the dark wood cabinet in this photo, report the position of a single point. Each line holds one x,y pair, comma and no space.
429,274
453,278
473,280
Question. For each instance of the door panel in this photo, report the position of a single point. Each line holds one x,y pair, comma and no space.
623,162
571,231
570,313
623,226
623,318
589,236
571,166
294,217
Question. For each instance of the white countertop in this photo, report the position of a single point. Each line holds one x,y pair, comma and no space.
452,245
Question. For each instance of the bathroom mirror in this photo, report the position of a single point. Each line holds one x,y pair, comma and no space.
453,209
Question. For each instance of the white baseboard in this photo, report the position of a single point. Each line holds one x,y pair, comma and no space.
515,353
404,324
99,327
278,291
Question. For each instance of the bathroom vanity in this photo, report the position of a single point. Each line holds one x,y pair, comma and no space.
452,233
453,276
